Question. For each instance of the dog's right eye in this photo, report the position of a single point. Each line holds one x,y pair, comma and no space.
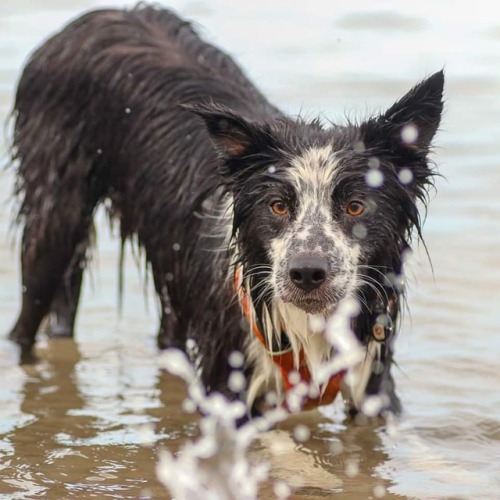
279,207
355,208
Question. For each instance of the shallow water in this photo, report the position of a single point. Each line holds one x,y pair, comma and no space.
87,420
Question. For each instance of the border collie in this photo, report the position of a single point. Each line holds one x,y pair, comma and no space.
228,197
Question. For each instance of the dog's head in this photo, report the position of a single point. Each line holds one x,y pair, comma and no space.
320,213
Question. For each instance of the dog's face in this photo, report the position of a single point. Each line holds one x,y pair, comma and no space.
318,212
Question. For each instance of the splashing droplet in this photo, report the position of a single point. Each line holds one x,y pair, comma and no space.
409,134
359,231
374,162
373,405
358,146
281,489
188,406
352,468
301,433
405,176
379,491
236,381
236,359
374,178
317,323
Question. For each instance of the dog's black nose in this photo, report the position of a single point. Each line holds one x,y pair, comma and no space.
308,270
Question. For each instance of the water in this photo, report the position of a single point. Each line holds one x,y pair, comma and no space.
89,419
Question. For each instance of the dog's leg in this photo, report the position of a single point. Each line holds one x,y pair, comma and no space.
168,334
382,382
50,249
61,318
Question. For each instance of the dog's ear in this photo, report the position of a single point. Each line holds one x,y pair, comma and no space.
233,135
405,131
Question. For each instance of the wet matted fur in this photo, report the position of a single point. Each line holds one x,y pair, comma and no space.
201,171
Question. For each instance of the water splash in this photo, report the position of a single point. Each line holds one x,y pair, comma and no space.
216,466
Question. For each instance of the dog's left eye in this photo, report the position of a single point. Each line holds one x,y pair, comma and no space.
355,208
279,207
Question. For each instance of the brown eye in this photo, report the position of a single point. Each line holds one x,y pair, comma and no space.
355,208
279,208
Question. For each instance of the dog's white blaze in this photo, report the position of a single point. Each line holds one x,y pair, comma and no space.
315,168
265,376
297,325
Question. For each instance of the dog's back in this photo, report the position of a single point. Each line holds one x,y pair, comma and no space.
98,117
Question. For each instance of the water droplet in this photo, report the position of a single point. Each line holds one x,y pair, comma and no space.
207,205
358,146
379,491
176,247
236,381
188,406
236,359
317,323
374,178
271,169
99,151
405,176
406,255
409,134
169,276
359,231
374,162
128,111
176,363
313,391
383,319
351,467
301,433
373,405
294,377
281,489
271,398
336,447
146,435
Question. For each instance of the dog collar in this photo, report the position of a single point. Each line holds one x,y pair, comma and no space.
284,360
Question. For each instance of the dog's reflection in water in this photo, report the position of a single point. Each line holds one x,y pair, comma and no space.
316,456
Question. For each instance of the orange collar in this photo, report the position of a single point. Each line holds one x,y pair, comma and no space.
284,360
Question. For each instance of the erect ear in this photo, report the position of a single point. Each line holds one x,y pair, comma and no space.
407,128
232,134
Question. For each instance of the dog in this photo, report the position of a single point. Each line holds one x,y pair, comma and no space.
255,225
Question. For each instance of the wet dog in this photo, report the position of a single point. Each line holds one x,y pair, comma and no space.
228,197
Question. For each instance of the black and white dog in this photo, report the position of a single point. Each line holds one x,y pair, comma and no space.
218,186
